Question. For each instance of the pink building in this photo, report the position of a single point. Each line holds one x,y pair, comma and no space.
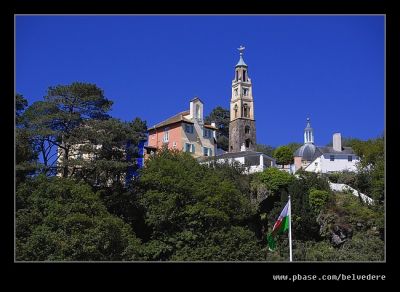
185,131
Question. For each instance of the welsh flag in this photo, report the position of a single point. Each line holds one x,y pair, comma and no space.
280,226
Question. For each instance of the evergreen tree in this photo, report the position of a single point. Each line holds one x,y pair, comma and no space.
60,219
52,123
221,117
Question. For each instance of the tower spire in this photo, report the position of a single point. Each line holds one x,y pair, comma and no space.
241,61
308,133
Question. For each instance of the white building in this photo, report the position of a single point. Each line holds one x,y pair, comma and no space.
324,159
251,160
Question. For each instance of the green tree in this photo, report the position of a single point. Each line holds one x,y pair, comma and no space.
105,155
270,191
187,204
304,219
317,199
60,219
266,149
283,155
370,151
221,117
371,170
234,244
52,123
20,105
25,154
293,146
273,179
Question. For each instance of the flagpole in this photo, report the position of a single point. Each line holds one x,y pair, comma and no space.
290,229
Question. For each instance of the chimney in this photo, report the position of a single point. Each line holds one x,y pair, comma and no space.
337,142
191,113
214,131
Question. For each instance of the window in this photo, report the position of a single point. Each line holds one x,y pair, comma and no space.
207,151
245,91
235,108
332,157
245,110
349,158
207,133
166,135
247,130
236,92
244,75
189,147
247,143
189,128
237,75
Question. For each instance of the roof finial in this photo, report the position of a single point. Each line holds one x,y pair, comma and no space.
241,61
241,49
308,126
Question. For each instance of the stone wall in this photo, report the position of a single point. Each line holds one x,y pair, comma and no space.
237,135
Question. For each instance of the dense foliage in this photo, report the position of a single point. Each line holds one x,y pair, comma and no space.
266,149
221,118
174,209
60,219
195,212
283,155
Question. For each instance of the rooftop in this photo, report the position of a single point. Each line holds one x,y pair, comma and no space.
174,119
309,152
235,155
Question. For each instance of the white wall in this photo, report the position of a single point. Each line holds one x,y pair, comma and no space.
314,166
344,187
252,169
341,163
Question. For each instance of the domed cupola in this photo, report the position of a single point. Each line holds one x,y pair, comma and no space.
306,152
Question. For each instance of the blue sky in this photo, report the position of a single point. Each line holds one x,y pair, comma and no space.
330,68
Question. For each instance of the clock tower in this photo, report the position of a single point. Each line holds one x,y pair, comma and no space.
242,128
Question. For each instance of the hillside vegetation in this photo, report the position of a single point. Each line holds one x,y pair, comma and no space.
173,209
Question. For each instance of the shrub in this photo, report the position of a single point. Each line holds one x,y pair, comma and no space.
318,199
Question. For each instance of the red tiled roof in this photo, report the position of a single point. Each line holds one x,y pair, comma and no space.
174,119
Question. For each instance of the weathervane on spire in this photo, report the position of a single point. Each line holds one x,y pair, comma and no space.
241,49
